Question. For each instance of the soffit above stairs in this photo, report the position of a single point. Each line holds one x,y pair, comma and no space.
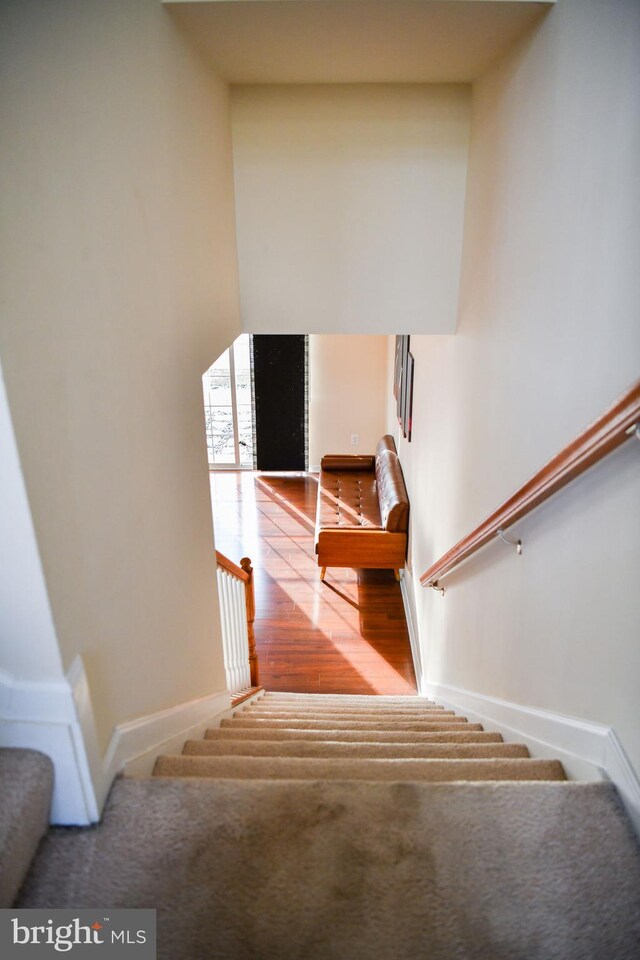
354,41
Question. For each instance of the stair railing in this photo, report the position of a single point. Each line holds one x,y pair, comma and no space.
237,613
617,424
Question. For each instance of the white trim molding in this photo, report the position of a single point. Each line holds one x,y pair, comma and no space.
620,771
135,745
57,718
589,751
414,640
40,715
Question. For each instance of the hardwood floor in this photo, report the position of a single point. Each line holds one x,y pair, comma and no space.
346,635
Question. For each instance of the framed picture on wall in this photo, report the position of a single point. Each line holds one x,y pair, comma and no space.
400,379
397,370
408,413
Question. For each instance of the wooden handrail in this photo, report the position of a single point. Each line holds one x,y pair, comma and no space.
244,572
606,433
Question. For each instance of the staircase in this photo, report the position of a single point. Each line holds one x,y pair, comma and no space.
317,737
351,828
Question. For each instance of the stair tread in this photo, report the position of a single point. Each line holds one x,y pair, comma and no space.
358,870
293,707
331,748
343,697
373,724
339,768
340,714
466,732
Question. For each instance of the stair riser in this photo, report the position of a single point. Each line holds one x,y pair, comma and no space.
302,748
261,768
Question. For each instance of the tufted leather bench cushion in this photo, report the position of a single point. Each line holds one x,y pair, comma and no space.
348,499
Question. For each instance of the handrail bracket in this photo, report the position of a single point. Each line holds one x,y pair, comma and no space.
512,543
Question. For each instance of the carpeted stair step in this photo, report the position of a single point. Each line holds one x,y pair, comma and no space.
343,698
358,871
447,724
296,768
351,708
462,733
330,748
413,716
26,791
269,706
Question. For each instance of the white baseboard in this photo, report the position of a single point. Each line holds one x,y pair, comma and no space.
414,640
42,716
135,745
57,719
620,771
589,751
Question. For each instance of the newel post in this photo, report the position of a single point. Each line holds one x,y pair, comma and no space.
250,603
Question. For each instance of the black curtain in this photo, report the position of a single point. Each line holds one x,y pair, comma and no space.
280,396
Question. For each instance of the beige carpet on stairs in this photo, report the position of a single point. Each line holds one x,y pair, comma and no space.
326,758
329,748
249,847
469,733
26,790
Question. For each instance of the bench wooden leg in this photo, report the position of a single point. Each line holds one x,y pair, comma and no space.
397,573
322,573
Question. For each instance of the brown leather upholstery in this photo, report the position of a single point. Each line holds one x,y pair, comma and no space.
358,495
392,494
386,443
348,499
345,461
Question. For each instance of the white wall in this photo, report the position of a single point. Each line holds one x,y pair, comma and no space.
548,336
347,378
120,288
349,203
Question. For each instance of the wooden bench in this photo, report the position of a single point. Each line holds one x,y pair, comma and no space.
362,516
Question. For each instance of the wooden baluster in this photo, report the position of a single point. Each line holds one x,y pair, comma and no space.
250,602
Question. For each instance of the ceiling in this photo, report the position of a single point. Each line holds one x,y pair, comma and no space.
353,41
